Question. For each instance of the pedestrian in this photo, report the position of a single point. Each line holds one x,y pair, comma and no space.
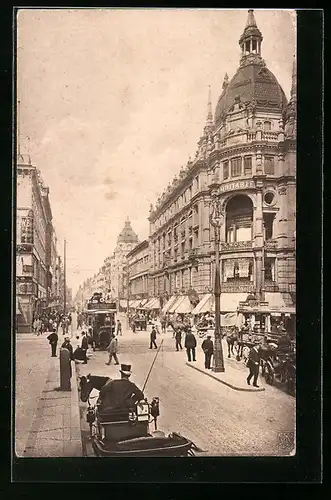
112,350
153,339
84,347
67,345
178,339
253,364
53,340
119,327
208,348
190,345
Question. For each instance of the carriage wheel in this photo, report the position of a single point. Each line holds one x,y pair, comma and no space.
269,374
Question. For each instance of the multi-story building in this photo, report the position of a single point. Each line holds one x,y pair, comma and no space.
137,267
126,240
33,219
247,153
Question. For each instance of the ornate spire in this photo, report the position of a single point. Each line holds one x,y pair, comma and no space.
209,108
225,81
294,79
250,42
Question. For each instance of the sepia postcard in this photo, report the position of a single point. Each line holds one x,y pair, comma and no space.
155,174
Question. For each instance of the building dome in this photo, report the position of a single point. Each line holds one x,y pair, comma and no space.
253,83
127,235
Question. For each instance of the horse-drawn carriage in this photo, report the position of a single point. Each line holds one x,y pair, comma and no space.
139,323
126,432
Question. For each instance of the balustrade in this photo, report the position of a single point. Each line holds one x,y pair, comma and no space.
236,245
271,243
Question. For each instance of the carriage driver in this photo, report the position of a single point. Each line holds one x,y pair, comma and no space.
120,393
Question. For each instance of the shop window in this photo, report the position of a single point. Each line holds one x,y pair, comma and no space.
247,165
236,167
238,270
225,170
269,165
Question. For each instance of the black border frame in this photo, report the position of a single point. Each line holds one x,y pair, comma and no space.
306,465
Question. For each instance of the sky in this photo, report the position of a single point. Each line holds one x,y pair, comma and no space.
113,102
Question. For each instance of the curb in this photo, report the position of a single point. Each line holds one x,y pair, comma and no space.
236,388
75,415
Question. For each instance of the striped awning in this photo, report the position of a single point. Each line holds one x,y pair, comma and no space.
185,306
143,302
169,303
149,303
155,304
175,304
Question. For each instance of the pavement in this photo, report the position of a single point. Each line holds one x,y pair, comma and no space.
234,375
47,420
221,420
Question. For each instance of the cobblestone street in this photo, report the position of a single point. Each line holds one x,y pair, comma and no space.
218,419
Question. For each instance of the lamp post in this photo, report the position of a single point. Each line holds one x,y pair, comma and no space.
216,220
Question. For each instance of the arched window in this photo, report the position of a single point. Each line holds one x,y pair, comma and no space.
239,219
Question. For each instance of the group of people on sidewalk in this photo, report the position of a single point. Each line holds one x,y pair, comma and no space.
81,346
51,322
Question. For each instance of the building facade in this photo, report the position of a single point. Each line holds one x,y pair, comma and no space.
137,267
126,241
247,155
32,223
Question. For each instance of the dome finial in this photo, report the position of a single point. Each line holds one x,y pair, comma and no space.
251,19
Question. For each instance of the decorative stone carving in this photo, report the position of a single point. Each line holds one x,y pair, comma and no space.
282,190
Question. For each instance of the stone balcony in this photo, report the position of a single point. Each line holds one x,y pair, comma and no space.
247,286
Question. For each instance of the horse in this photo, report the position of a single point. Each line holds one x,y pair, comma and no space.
89,382
231,340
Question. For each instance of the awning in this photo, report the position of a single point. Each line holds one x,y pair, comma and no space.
275,300
143,302
149,303
201,307
168,304
134,303
184,307
123,303
228,301
175,304
155,304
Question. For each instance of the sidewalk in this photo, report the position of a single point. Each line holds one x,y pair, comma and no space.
234,376
46,419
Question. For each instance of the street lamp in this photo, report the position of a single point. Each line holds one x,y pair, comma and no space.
217,219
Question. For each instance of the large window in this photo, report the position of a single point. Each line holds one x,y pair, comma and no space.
238,270
268,221
247,165
225,170
236,167
269,268
269,165
267,126
26,230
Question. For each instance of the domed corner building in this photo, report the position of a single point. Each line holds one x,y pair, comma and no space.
247,153
126,241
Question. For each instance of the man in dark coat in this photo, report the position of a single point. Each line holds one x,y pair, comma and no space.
84,346
53,340
120,393
208,348
153,339
178,337
253,364
190,345
67,345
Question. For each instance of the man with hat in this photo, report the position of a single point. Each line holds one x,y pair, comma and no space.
208,348
120,393
253,364
67,345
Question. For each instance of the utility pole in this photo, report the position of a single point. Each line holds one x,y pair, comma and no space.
65,277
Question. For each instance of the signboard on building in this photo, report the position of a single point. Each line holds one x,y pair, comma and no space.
233,186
